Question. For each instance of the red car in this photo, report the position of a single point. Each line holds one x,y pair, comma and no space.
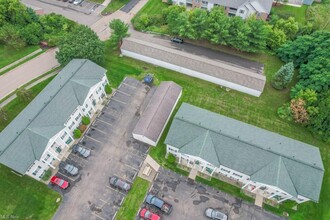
146,214
60,182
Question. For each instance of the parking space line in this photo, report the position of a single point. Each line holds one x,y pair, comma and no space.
93,139
99,130
124,93
128,85
66,176
98,216
115,190
82,158
105,122
113,111
119,101
110,114
131,167
135,155
104,201
120,176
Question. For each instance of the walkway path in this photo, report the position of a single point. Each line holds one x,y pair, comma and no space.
28,87
24,73
20,60
101,27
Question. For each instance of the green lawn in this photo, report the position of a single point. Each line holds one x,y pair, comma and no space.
153,7
114,5
8,56
133,199
261,112
285,11
24,197
97,1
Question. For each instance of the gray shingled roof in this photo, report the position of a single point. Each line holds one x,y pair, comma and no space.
265,156
266,4
24,140
159,109
221,70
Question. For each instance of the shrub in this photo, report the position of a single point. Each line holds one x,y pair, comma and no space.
85,120
108,89
76,133
171,159
284,112
283,76
47,175
82,128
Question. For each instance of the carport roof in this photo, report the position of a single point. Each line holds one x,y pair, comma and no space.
159,109
24,140
266,157
253,79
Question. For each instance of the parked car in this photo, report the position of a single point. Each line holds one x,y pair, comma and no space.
70,169
71,1
215,214
177,40
81,151
159,203
119,184
77,2
146,214
60,182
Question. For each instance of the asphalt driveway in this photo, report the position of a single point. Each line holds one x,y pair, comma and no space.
190,200
113,152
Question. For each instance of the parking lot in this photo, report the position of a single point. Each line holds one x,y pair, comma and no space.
113,152
190,200
85,13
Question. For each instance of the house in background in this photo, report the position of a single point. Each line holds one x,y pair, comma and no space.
241,8
154,118
38,138
263,163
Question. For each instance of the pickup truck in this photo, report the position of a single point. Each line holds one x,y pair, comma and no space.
159,203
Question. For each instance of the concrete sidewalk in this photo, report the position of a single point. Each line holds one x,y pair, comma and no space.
101,27
24,73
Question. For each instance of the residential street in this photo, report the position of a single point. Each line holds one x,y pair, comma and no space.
24,73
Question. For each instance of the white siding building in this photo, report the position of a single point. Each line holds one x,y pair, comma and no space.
38,138
262,162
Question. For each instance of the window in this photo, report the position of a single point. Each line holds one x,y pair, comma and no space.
58,149
69,141
36,170
47,157
222,169
72,124
63,136
78,117
237,175
86,105
241,11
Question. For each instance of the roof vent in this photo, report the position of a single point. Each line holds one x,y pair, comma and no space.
237,137
314,164
293,156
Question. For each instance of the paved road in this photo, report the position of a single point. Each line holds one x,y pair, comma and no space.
199,51
128,7
24,73
81,14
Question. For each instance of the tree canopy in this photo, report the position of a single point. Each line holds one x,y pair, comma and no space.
119,31
82,42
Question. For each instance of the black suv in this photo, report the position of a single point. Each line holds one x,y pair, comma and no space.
177,40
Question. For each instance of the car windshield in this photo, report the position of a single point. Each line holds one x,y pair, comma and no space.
218,215
148,214
61,182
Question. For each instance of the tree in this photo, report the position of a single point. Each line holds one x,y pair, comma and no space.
289,26
276,38
171,15
10,36
171,158
119,31
23,94
82,42
198,22
218,30
283,76
299,112
238,33
31,33
3,115
257,37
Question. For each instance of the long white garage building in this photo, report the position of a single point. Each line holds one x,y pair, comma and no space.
156,115
223,73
